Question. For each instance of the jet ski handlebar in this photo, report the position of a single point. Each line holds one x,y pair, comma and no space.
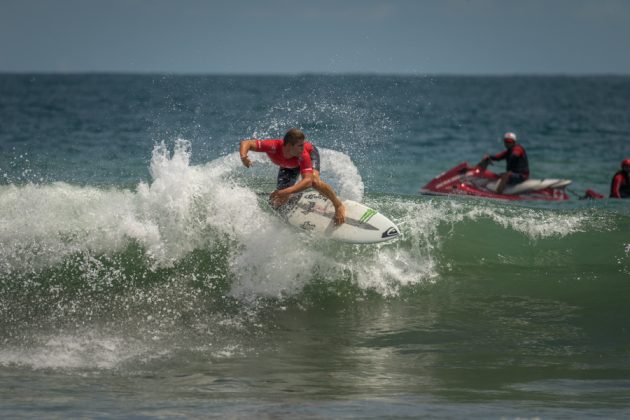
484,162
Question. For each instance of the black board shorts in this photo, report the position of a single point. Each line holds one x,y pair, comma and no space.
288,176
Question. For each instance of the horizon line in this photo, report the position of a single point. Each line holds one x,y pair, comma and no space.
307,73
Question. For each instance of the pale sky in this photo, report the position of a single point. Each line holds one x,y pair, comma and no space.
316,36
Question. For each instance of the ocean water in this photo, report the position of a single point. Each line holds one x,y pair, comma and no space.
141,275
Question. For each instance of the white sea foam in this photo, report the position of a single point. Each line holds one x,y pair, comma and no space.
74,351
533,223
182,209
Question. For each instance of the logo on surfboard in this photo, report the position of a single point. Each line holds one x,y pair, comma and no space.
369,213
307,226
392,231
309,208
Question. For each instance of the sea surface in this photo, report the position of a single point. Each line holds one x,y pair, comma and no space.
142,275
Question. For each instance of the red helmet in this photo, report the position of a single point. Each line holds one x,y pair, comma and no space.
625,162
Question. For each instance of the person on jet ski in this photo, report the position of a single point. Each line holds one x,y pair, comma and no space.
620,185
517,167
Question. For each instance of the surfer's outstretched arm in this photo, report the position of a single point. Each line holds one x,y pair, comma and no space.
246,146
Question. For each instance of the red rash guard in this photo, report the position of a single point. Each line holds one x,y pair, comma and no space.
273,148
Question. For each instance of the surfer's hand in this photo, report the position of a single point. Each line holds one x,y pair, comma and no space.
246,162
340,215
279,197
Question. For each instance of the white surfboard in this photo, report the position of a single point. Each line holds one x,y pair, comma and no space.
312,212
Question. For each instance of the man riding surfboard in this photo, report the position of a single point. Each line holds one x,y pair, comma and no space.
295,157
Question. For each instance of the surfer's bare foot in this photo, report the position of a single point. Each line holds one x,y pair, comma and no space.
340,215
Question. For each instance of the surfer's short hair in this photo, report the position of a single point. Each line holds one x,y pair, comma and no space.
293,136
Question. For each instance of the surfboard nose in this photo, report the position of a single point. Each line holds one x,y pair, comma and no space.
390,233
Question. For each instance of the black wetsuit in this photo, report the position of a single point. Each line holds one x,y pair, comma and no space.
516,162
620,185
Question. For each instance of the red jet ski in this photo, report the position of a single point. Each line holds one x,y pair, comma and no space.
480,182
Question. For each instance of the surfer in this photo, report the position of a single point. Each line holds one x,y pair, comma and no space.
517,166
295,157
620,185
